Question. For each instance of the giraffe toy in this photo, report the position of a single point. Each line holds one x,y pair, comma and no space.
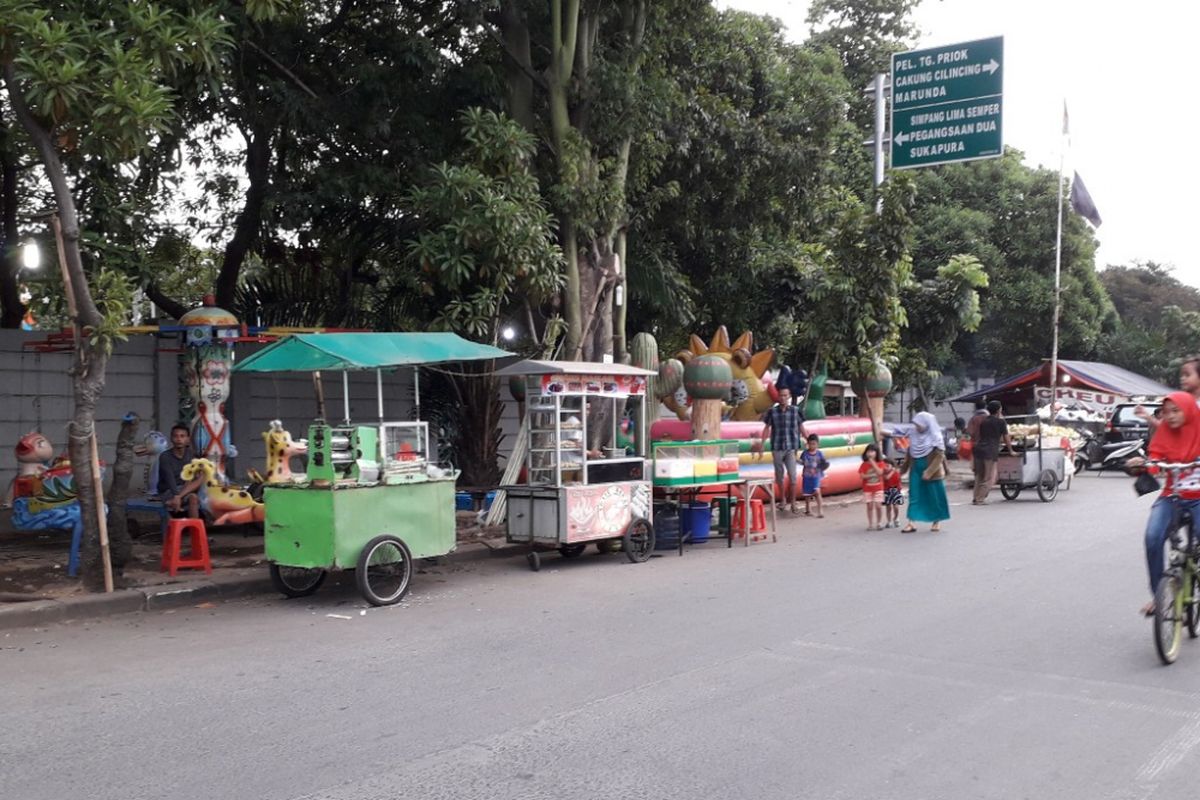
280,449
229,505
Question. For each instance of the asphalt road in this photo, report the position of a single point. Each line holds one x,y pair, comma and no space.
1001,658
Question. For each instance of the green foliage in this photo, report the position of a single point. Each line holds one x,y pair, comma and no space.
854,279
755,123
1004,214
485,239
864,34
939,309
100,82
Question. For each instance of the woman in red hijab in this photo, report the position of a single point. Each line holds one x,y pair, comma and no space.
1177,440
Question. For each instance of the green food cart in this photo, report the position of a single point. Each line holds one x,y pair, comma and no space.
372,498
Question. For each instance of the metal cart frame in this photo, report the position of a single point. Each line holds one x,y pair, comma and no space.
1043,469
362,507
569,499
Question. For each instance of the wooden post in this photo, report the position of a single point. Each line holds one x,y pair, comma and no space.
320,390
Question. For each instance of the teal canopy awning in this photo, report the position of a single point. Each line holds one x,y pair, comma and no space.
309,352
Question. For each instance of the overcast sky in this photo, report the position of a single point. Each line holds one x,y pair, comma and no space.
1128,71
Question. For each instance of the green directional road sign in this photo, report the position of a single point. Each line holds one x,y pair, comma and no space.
947,104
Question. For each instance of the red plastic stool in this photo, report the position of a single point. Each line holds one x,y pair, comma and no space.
758,519
172,558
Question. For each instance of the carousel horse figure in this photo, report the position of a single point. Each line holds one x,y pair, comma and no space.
229,505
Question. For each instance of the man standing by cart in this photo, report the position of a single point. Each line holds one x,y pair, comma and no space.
992,431
782,425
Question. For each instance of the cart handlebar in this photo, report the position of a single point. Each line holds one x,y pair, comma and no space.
1172,466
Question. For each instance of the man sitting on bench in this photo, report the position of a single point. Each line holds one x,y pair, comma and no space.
181,498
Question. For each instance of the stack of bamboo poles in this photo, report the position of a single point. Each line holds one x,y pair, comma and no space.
512,472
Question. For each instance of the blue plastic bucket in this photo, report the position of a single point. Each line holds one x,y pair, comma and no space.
462,501
488,500
697,519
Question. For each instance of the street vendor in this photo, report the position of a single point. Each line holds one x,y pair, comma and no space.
181,498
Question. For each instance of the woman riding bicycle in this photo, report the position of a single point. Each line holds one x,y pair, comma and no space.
1177,440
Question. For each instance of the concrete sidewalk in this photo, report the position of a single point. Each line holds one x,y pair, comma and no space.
239,579
223,584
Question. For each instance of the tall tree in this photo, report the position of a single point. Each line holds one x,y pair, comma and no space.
855,277
91,83
484,254
1004,213
864,34
755,135
575,71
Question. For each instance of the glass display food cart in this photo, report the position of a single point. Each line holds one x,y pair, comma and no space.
583,485
372,498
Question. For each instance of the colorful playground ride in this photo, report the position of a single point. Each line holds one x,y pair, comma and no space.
842,441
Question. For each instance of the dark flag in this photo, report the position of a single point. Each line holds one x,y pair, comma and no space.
1081,201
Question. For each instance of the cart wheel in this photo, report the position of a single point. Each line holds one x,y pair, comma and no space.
296,581
1010,490
1168,627
1047,485
534,560
384,570
639,541
571,550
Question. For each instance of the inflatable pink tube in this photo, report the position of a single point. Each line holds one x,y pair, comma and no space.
831,425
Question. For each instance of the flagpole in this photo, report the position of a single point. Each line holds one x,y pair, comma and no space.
1062,157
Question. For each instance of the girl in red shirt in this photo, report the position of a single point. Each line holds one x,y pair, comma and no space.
871,473
1176,440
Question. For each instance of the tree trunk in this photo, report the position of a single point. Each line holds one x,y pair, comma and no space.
90,361
11,308
518,67
620,312
120,542
249,220
477,439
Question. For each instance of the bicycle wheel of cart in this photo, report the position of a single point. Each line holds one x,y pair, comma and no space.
1191,611
1168,621
639,541
533,560
1047,485
384,570
571,550
1010,490
296,581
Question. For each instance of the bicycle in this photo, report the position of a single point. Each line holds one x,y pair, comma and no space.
1177,596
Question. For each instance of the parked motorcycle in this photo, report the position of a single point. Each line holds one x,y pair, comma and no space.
1099,455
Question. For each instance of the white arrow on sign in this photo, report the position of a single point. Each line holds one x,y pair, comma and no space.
902,137
991,67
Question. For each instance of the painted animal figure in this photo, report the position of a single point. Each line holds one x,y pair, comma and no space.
281,447
224,502
154,445
33,452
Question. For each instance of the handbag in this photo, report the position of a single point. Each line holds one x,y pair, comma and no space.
935,470
1145,484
